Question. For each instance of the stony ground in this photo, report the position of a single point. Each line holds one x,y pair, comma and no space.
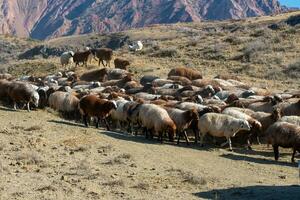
45,157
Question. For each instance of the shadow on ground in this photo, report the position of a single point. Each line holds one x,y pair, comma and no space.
253,193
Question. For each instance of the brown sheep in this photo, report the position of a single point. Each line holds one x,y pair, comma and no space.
288,109
20,92
81,57
93,106
121,63
4,85
189,73
181,80
103,54
95,75
283,134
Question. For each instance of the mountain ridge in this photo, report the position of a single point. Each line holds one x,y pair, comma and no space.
43,19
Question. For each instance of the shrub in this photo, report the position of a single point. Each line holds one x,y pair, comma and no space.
252,48
168,52
293,70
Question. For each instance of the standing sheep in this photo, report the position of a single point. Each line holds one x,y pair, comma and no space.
121,63
103,54
155,118
23,93
81,57
283,134
93,106
220,125
66,58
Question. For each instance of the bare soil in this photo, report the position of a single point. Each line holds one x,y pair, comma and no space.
45,157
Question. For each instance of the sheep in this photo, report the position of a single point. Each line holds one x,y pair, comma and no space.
81,57
115,74
137,46
283,134
161,82
155,118
64,102
121,63
190,106
221,125
146,96
288,109
4,85
66,58
103,54
23,93
182,120
95,75
227,76
93,106
255,124
181,80
291,119
119,115
147,79
42,91
189,73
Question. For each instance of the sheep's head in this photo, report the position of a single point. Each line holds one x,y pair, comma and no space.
114,105
35,99
276,114
244,125
198,99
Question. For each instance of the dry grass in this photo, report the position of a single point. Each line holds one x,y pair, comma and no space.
247,48
120,159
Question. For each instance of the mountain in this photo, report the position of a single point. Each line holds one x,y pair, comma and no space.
42,19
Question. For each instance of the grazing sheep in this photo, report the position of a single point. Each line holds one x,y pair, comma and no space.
121,63
181,80
291,119
189,73
42,91
288,109
119,115
81,57
93,106
66,58
155,118
137,46
148,79
190,106
103,54
182,120
283,134
116,74
260,106
95,75
64,102
221,125
255,124
23,93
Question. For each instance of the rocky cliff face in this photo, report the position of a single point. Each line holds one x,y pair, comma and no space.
43,19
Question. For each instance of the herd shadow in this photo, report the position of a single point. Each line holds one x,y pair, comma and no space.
68,123
253,193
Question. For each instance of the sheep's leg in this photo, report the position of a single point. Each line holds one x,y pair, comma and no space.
28,107
249,143
293,155
276,151
15,106
145,131
85,120
229,142
108,64
186,138
178,136
258,140
103,63
97,122
202,140
99,62
160,137
196,135
106,124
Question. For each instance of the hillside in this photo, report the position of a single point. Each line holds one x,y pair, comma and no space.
262,51
42,19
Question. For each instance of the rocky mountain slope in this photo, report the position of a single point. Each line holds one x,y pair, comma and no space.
43,19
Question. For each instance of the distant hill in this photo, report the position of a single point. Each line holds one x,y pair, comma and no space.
41,19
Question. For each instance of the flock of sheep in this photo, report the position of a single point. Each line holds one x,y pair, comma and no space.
182,103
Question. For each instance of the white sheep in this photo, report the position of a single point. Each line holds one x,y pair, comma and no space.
291,119
156,118
66,58
138,46
221,125
119,115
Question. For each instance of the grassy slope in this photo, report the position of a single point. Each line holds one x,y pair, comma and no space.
248,48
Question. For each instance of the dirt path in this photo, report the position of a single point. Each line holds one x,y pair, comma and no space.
45,157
